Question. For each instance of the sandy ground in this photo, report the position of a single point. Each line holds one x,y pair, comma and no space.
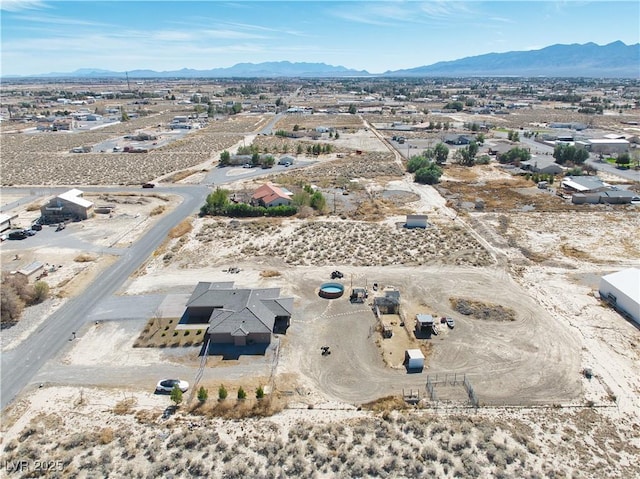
556,423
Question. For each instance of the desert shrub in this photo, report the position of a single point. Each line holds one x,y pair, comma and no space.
40,292
259,393
106,435
76,440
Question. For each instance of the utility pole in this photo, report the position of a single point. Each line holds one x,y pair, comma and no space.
128,84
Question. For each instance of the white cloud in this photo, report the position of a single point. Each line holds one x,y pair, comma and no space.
20,5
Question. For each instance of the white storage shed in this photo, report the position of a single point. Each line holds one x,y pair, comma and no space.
414,359
416,221
622,290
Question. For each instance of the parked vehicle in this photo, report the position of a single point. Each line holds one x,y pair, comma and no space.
451,323
167,385
148,185
36,227
60,227
336,275
30,232
17,235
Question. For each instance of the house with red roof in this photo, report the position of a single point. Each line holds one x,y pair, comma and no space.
271,195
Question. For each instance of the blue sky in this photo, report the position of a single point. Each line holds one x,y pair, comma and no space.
41,36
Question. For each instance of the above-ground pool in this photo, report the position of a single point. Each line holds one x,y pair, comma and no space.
331,290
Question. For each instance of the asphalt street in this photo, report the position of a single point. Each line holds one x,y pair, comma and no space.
21,364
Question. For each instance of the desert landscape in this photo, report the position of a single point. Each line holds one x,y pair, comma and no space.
538,378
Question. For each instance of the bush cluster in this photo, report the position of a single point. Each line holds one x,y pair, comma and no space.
16,293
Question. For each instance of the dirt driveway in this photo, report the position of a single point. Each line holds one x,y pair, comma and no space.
532,359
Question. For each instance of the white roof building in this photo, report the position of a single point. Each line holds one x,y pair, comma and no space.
622,290
75,196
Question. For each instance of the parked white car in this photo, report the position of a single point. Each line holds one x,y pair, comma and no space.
167,385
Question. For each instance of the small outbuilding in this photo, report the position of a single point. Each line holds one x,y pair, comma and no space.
414,360
5,221
622,291
424,323
31,269
416,221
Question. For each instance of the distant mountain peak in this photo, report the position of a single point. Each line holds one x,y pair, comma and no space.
614,60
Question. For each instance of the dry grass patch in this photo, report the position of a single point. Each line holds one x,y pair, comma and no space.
270,273
181,229
84,258
573,252
503,196
34,207
387,403
125,406
158,210
180,175
481,310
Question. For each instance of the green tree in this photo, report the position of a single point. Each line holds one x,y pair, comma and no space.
623,160
299,149
203,394
222,393
242,394
466,156
515,154
296,127
259,393
581,155
268,161
318,202
429,175
336,136
225,157
236,108
216,202
123,115
441,153
416,163
352,109
176,395
455,105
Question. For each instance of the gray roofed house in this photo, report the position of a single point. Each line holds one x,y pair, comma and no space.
542,164
237,316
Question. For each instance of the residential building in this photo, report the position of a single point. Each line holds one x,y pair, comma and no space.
237,316
271,195
67,206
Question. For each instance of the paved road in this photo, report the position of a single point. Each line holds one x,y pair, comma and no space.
19,365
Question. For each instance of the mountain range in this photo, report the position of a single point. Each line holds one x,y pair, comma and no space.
615,60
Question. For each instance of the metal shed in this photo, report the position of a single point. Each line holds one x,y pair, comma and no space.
416,221
414,359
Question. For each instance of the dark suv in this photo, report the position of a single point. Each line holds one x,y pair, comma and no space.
17,235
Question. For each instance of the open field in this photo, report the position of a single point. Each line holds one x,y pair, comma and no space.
520,278
106,434
44,158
